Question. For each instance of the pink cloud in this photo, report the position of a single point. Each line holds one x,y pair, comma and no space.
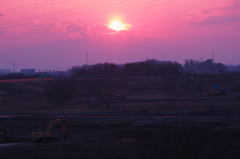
229,5
100,30
206,11
36,21
220,14
202,12
217,20
86,31
77,31
82,31
12,31
2,32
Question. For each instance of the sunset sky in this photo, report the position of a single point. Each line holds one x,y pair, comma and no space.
57,34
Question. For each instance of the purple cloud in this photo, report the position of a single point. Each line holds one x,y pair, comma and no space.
2,32
230,5
206,11
220,14
1,15
217,20
77,31
84,31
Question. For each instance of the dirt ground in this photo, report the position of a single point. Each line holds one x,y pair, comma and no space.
195,135
148,125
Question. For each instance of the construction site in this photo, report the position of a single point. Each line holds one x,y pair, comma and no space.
138,118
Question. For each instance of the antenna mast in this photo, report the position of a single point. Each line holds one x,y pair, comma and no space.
213,55
86,58
13,67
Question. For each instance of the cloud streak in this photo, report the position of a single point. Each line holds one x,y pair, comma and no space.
217,20
229,5
221,14
77,31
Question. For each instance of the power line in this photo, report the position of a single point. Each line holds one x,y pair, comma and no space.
19,36
51,13
73,13
50,27
23,6
126,9
36,7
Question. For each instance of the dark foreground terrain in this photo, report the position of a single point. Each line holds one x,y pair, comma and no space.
162,118
212,135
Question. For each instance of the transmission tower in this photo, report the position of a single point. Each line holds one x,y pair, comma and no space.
86,58
13,67
213,55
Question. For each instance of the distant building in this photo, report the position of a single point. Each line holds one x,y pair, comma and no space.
28,71
5,71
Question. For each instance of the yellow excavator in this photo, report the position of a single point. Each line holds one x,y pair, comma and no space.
45,133
6,136
218,90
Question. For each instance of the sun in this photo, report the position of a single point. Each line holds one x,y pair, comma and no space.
117,26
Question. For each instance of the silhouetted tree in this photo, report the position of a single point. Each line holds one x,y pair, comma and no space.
130,69
208,66
172,82
20,76
59,91
200,82
186,82
145,68
191,65
78,72
106,97
221,68
181,141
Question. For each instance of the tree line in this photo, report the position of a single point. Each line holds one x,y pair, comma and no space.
20,76
145,68
150,67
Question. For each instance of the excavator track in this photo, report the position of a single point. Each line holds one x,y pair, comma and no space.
47,139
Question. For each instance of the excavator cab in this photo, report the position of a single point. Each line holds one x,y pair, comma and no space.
45,133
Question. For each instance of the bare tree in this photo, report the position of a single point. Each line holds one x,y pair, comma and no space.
106,97
172,82
186,83
180,141
200,82
59,91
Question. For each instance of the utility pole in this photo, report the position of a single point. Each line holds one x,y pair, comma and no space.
13,67
87,59
213,55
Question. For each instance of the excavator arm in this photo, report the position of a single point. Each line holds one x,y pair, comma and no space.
45,132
